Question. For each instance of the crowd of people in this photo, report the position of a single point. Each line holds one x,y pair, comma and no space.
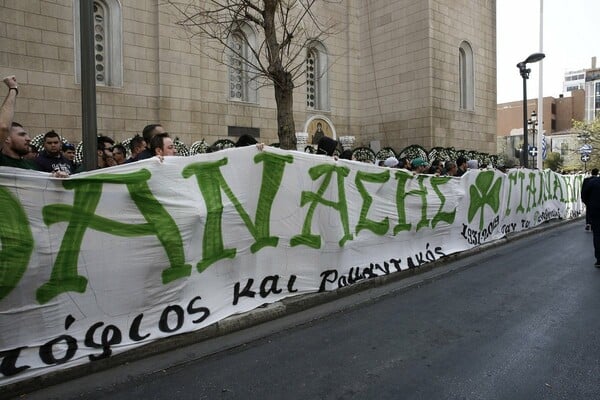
418,165
440,168
58,157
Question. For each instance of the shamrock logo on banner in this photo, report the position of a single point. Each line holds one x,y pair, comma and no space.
484,193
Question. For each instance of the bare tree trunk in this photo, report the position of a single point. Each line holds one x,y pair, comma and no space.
282,80
284,96
288,26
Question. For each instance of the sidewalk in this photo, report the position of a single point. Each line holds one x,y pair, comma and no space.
369,289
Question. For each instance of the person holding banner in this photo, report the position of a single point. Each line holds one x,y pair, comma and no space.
7,110
161,145
13,138
461,166
148,133
419,166
450,169
52,158
136,146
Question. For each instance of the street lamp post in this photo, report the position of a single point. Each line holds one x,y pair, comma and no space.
532,125
524,71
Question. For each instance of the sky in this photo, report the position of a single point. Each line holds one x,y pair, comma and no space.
571,38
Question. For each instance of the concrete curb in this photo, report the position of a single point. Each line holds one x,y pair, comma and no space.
272,311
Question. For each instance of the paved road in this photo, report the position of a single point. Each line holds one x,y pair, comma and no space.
520,321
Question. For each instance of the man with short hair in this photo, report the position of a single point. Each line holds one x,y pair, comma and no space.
435,168
450,169
14,140
68,150
162,145
148,133
119,154
461,166
136,146
15,148
51,158
105,149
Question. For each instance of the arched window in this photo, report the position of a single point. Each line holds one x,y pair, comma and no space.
238,80
466,76
107,28
317,85
101,37
242,80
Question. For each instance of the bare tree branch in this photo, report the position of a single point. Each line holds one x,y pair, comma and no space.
275,53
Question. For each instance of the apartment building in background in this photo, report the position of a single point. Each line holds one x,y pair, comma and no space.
557,122
574,80
580,102
592,92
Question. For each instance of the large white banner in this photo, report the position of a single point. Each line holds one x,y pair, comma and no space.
109,260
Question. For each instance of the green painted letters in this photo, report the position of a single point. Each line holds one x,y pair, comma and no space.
531,191
402,194
441,216
16,242
81,216
326,170
211,182
381,227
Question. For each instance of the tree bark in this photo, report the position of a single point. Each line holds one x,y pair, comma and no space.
282,80
286,129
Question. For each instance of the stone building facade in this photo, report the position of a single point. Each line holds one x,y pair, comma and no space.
397,72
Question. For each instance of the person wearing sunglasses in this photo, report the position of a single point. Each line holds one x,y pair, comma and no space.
105,149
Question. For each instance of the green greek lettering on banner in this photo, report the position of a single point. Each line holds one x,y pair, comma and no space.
401,195
574,186
542,185
441,216
81,216
548,185
484,192
569,189
558,187
381,227
531,191
16,242
521,178
326,170
511,181
211,182
162,225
